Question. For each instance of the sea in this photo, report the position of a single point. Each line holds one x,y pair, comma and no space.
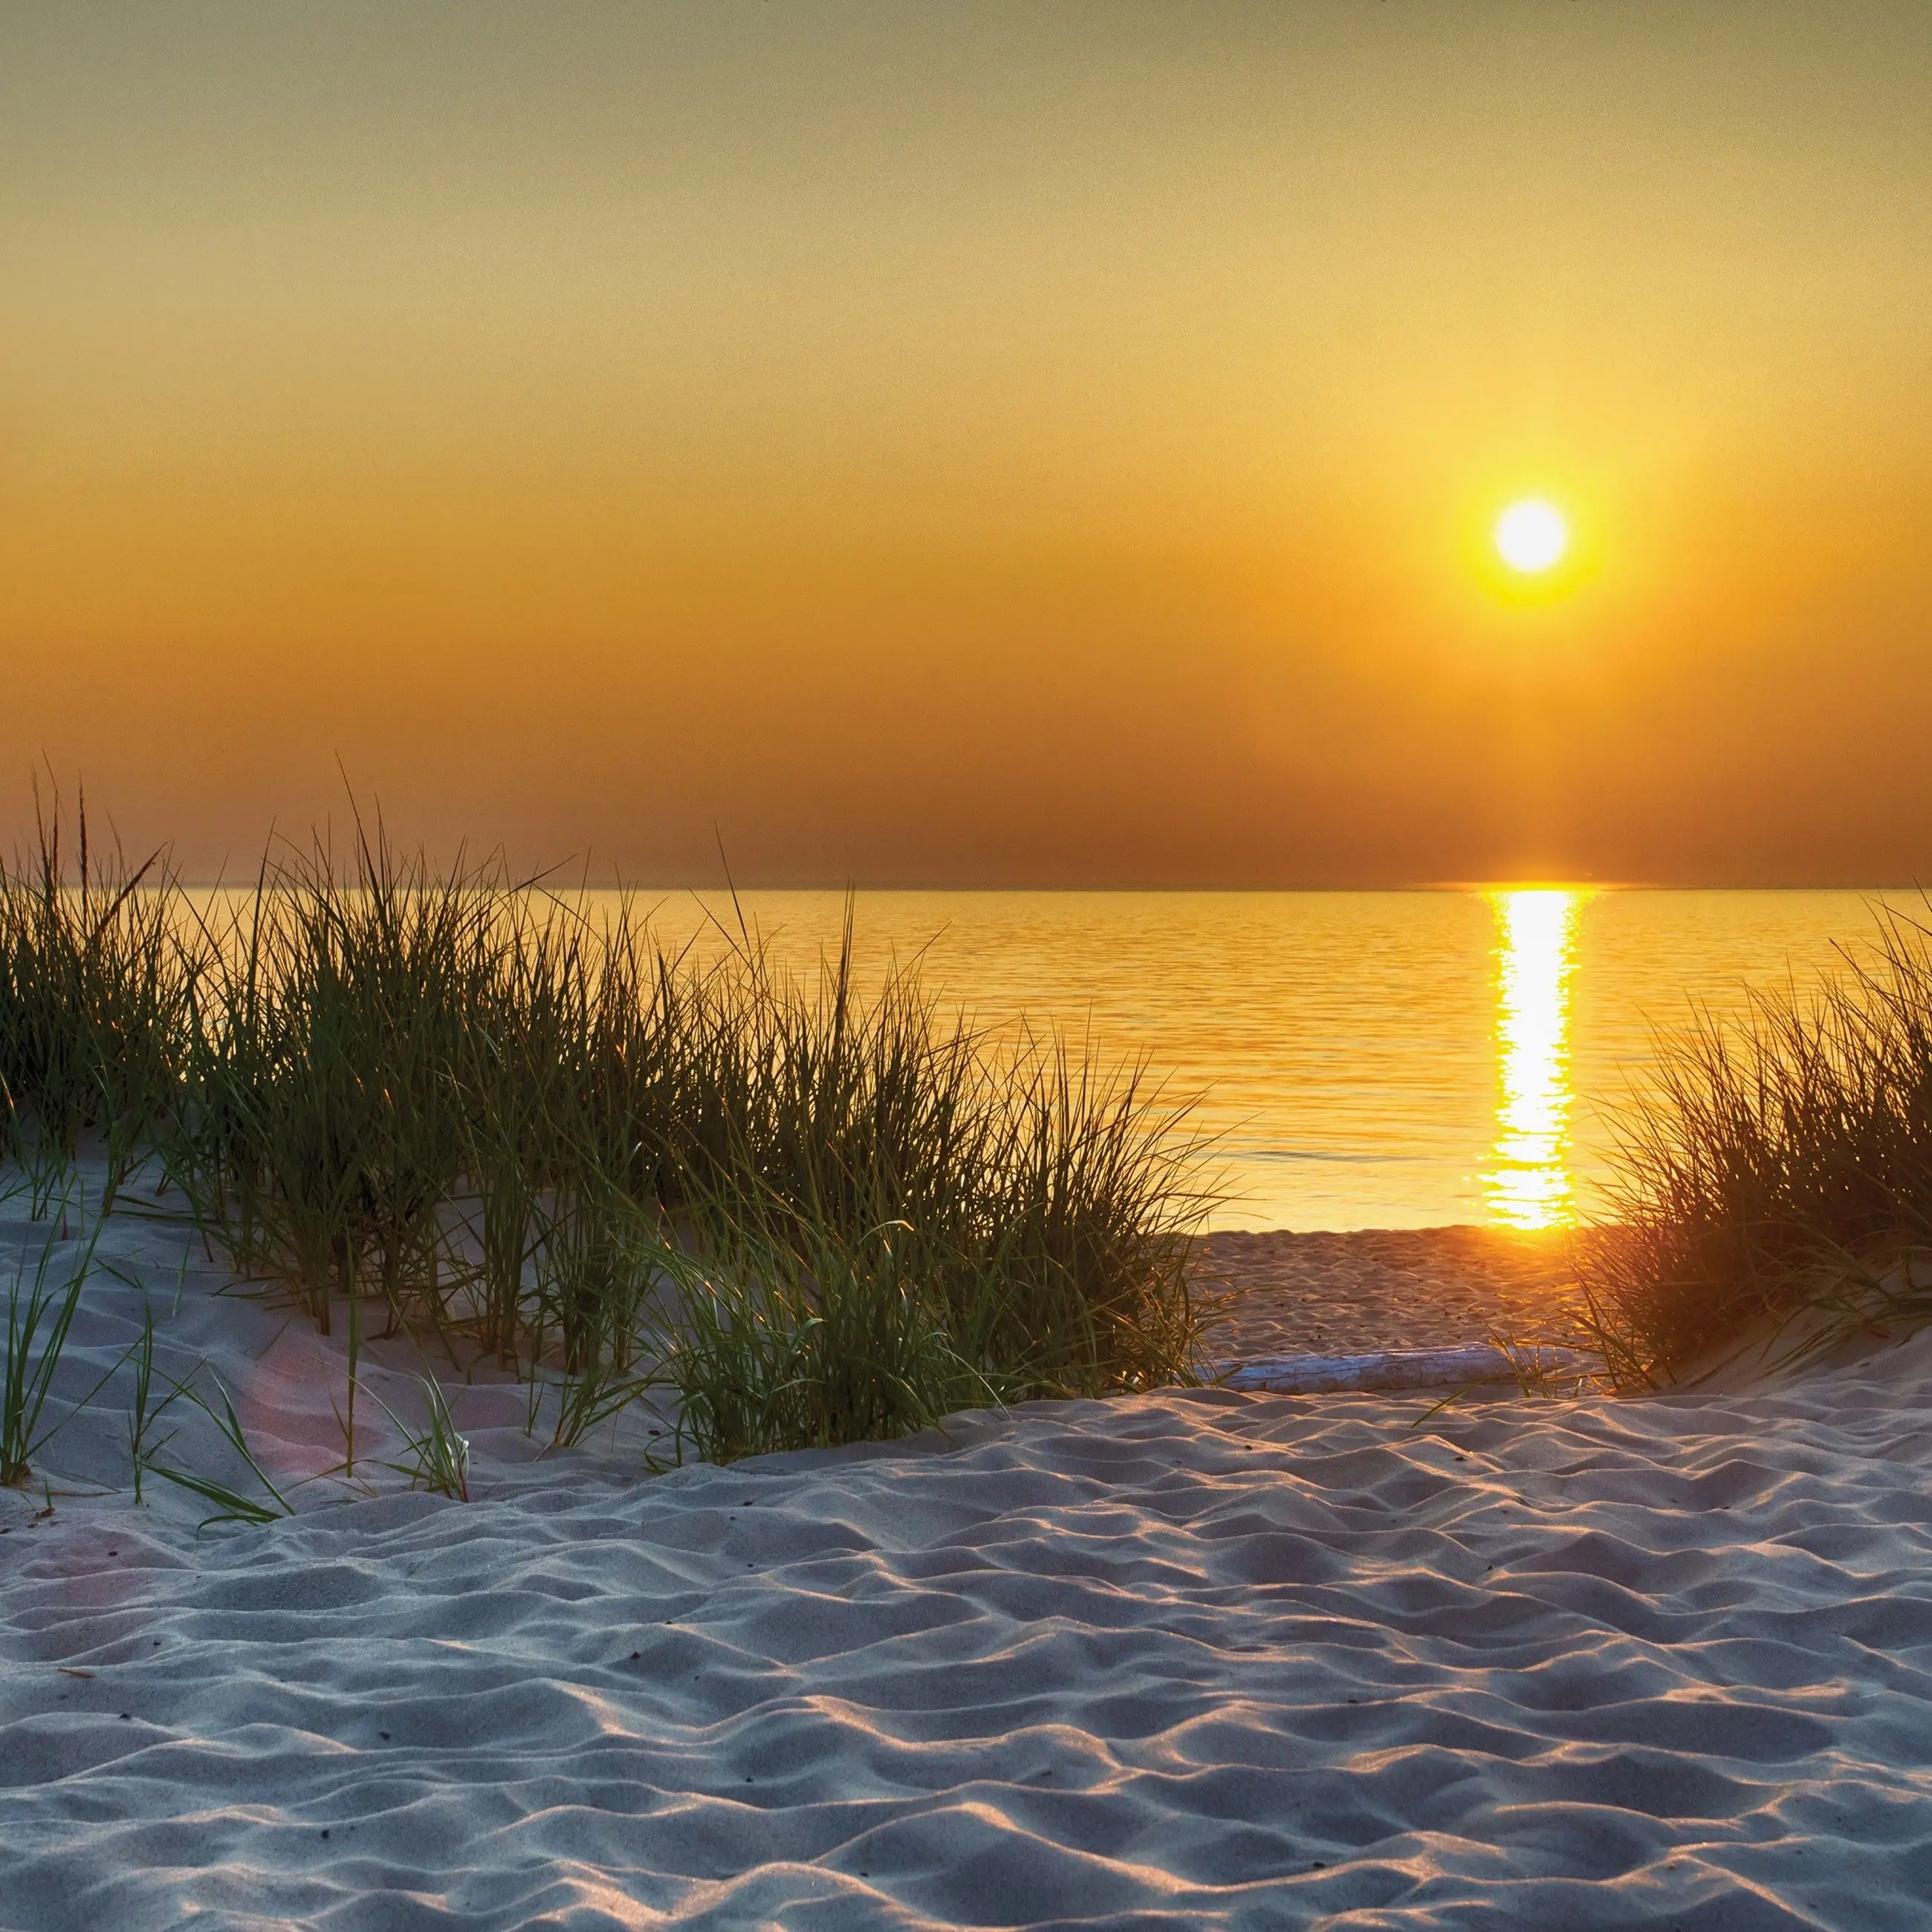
1353,1059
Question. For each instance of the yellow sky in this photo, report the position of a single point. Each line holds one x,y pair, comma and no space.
978,444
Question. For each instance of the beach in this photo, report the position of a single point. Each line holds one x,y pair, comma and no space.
1286,1294
965,967
1187,1658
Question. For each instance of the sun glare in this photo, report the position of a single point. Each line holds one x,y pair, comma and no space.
1532,535
1529,1185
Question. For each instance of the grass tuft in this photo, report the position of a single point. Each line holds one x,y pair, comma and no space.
40,1310
505,1118
438,1456
1775,1180
96,983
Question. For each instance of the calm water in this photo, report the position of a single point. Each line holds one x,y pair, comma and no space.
1368,1059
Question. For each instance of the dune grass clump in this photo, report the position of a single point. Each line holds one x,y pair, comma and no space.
97,975
321,1124
1778,1175
797,1335
1035,1209
1021,1230
507,1118
483,1112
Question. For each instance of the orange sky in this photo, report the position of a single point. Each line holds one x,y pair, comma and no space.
977,444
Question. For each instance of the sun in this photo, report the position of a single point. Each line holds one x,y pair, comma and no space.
1532,535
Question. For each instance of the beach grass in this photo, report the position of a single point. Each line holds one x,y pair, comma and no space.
40,1306
501,1117
96,977
1775,1178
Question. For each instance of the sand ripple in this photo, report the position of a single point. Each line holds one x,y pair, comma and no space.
1206,1660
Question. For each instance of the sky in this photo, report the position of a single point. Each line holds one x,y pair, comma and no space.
976,444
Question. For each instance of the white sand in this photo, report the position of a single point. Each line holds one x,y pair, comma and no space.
1188,1659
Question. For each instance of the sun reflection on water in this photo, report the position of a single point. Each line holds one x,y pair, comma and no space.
1528,1184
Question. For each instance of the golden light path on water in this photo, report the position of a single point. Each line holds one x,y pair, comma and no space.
1528,1184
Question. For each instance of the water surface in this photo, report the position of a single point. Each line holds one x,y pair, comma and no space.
1366,1059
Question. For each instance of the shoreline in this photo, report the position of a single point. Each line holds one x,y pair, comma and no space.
1286,1293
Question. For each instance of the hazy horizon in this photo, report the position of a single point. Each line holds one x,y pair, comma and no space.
989,447
565,875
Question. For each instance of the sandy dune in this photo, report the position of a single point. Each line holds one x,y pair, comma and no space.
1187,1660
